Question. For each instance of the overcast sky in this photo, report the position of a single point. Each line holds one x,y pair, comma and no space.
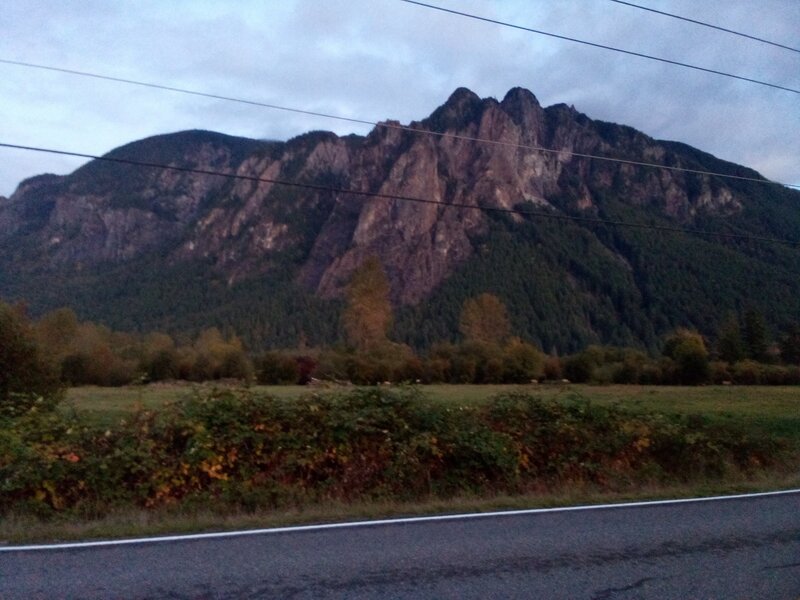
385,59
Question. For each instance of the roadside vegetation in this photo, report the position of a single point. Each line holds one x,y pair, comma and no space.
239,452
175,427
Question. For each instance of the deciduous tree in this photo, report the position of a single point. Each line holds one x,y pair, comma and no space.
688,350
25,374
368,314
484,320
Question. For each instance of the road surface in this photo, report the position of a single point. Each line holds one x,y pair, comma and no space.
746,547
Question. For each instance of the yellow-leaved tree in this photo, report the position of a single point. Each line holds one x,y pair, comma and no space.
367,316
484,320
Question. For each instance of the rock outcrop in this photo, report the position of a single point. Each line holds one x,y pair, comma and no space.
110,213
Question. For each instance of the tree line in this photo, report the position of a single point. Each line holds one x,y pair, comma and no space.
60,350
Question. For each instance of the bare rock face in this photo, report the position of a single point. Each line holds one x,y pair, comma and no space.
419,244
427,221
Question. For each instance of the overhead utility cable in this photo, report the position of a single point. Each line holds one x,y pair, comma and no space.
602,46
386,125
400,198
704,24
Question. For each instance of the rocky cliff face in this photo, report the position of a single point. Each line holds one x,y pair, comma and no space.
106,213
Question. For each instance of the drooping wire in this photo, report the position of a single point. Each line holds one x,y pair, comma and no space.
601,46
401,198
385,125
704,24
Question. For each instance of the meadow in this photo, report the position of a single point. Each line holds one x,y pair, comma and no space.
776,408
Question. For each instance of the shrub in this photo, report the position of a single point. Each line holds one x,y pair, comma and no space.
605,374
651,374
412,369
239,449
792,375
437,370
522,362
274,368
688,351
631,367
552,369
578,368
775,375
163,365
747,372
27,378
720,372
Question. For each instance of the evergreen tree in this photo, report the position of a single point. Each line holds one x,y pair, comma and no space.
790,345
730,346
755,335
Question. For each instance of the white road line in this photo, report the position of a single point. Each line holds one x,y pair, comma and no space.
377,522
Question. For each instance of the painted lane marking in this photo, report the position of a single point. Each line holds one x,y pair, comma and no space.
379,522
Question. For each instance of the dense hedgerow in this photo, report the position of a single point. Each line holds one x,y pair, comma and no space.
238,449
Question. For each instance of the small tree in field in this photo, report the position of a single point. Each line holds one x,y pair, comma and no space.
218,357
688,350
522,362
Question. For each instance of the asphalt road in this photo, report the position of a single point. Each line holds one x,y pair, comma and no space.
732,549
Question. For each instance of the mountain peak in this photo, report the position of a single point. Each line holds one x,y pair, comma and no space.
462,96
521,105
462,106
519,96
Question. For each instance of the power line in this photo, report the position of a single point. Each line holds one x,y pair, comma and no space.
602,46
704,24
385,125
169,88
400,198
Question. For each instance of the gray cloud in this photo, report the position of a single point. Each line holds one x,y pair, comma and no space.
378,59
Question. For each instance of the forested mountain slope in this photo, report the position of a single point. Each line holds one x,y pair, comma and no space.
148,248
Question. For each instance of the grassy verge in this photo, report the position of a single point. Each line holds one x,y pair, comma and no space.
24,529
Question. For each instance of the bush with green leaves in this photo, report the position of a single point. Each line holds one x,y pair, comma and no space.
274,368
246,451
28,379
687,350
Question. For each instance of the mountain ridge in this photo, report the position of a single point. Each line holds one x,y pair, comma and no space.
104,216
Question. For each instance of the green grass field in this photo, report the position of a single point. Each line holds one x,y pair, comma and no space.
776,408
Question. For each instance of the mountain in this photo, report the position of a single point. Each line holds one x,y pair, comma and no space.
145,248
